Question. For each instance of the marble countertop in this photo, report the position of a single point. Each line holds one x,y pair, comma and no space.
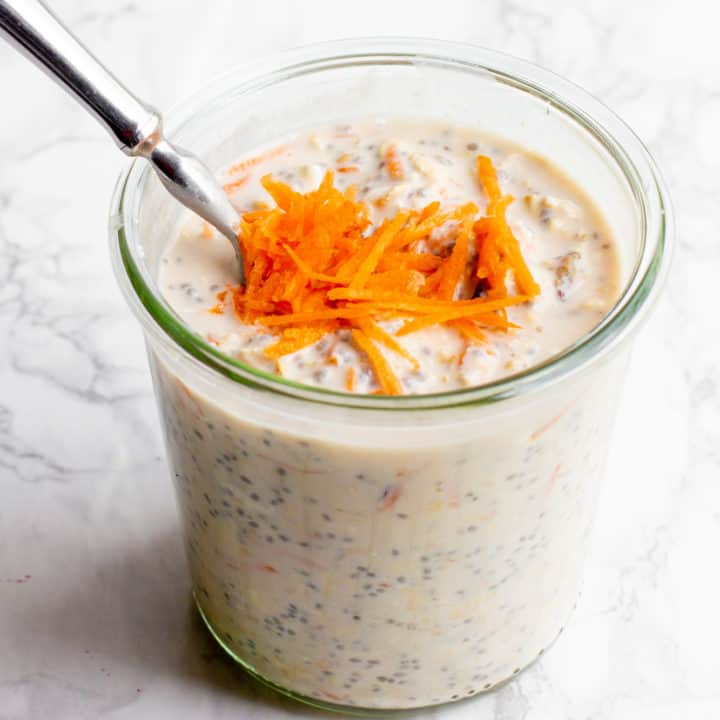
95,615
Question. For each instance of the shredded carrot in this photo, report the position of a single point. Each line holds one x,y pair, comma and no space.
498,249
294,339
399,301
348,168
445,316
375,332
469,330
350,379
386,234
389,382
401,279
423,262
393,163
454,269
345,313
305,268
488,179
314,264
207,231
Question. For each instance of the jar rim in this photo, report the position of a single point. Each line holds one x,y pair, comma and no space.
599,122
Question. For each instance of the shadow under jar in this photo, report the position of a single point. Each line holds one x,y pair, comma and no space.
375,552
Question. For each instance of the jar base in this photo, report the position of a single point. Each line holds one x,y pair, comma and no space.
353,710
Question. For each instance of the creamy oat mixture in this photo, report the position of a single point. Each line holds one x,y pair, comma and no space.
565,242
394,560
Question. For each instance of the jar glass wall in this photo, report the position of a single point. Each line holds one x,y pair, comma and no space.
382,552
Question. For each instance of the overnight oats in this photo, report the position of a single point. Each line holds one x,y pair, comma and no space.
358,237
386,483
388,258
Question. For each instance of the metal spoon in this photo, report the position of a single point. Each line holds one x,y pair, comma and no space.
135,126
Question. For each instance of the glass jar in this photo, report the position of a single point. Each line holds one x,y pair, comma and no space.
376,552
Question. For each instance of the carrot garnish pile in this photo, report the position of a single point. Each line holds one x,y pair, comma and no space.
314,264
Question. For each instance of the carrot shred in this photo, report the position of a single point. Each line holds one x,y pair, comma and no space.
455,267
498,248
400,301
445,316
469,330
348,168
488,179
424,262
389,383
375,332
386,233
344,313
305,268
350,379
292,340
314,264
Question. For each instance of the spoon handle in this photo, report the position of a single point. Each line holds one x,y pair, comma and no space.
135,126
39,35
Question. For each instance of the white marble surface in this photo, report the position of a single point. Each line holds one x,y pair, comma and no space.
95,617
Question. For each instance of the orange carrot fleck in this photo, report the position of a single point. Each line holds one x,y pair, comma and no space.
390,496
554,475
381,201
244,165
348,168
544,428
350,379
393,163
235,184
